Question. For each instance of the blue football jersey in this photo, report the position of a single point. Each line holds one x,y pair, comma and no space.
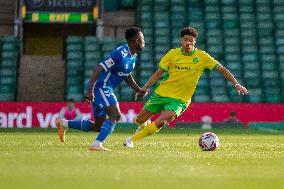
117,67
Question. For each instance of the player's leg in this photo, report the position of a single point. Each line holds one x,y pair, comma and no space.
96,127
63,125
107,101
165,117
172,109
143,119
83,125
114,114
153,106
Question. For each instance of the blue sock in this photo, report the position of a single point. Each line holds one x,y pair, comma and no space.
107,128
83,125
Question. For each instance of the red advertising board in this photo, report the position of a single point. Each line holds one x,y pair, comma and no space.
43,114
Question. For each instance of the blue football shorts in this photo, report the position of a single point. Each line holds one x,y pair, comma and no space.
103,97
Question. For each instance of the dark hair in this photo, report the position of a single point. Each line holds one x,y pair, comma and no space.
233,113
131,32
189,31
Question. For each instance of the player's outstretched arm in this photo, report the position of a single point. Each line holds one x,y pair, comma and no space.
96,74
132,83
153,79
229,76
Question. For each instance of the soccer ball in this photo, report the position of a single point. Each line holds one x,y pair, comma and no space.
208,141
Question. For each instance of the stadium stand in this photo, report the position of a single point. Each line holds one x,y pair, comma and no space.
9,51
82,55
245,36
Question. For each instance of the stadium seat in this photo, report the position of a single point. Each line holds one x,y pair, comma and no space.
75,96
9,63
127,3
111,5
74,47
7,96
10,39
246,36
74,40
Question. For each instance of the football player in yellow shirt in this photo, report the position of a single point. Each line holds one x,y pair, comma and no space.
183,67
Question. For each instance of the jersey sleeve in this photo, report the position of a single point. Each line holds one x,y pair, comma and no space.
165,62
209,62
112,61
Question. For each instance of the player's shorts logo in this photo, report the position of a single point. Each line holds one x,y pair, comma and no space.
35,3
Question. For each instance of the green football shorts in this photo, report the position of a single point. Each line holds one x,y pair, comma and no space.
158,103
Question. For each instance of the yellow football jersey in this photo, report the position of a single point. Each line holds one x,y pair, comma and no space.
183,73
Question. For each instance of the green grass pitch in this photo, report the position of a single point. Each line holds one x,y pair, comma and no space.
246,159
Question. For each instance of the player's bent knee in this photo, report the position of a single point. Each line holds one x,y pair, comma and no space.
161,123
139,119
115,117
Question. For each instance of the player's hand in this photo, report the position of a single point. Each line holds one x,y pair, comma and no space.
89,98
141,93
241,89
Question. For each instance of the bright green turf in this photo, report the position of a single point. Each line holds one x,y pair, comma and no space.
171,159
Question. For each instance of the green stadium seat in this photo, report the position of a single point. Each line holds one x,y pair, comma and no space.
8,80
7,88
74,64
127,3
111,5
90,64
92,56
126,94
253,82
10,47
74,40
106,54
7,97
250,58
8,72
178,2
89,47
91,40
10,39
77,97
74,81
74,56
108,46
255,98
201,98
251,74
74,72
74,47
11,63
88,73
10,54
201,90
74,89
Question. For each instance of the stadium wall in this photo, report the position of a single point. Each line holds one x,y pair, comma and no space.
43,114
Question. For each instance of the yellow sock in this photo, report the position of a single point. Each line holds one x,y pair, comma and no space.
147,131
144,124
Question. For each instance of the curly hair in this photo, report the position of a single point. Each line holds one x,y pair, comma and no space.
189,31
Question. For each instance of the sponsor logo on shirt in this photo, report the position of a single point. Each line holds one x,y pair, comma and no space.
122,74
109,62
182,68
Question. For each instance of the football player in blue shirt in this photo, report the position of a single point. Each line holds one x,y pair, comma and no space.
106,76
